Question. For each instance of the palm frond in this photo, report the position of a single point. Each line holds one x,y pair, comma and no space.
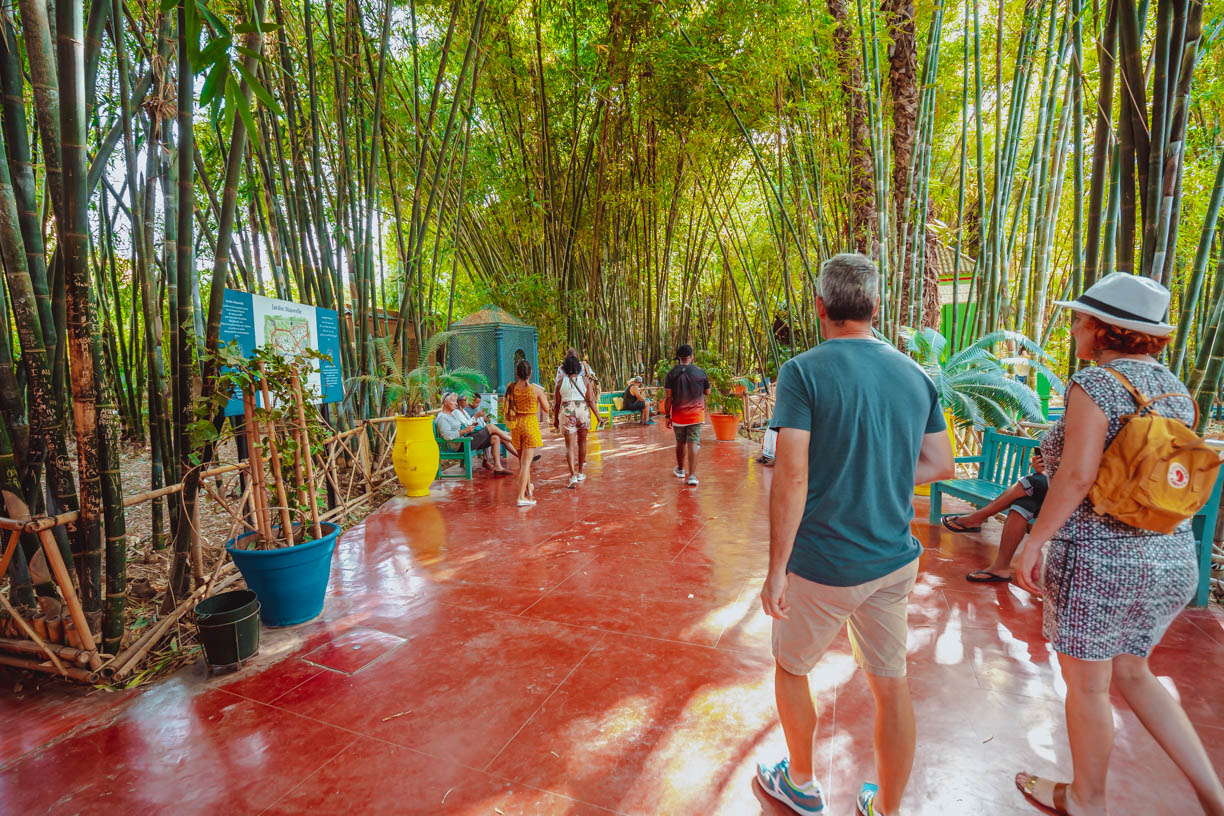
1010,394
464,381
387,359
1056,383
970,355
430,350
927,345
995,414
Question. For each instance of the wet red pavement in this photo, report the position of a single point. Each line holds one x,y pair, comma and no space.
601,652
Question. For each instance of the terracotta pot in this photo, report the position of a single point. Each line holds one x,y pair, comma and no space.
725,426
415,455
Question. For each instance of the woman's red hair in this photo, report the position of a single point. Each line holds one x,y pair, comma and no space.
1125,341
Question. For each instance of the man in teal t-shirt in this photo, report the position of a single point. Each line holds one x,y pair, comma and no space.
859,425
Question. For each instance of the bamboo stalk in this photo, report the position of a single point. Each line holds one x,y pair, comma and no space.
312,496
298,475
84,675
76,656
25,627
64,580
274,454
14,539
259,491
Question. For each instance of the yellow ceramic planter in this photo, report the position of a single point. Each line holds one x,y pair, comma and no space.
415,455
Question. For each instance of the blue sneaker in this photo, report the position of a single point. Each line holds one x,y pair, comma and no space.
776,782
866,799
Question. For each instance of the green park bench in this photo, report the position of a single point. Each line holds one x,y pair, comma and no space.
465,454
609,411
1005,458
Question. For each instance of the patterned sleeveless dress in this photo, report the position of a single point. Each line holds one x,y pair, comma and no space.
525,427
1112,588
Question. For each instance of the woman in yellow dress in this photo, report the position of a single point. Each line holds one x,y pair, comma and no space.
523,404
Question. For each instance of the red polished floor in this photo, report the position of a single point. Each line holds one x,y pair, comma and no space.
601,652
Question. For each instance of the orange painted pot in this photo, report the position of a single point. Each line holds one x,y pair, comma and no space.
725,426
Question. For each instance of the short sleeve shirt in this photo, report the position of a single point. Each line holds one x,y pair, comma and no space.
1151,379
688,385
449,426
867,407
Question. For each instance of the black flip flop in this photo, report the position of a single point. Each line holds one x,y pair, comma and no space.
990,578
948,521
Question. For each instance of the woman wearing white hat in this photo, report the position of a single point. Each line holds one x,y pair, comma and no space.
1111,590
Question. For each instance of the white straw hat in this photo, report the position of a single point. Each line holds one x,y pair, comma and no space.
1126,301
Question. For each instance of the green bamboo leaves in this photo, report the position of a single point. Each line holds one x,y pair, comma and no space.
231,76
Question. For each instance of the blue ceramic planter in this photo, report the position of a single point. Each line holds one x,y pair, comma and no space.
290,582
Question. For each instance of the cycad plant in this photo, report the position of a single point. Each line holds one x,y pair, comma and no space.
416,391
973,384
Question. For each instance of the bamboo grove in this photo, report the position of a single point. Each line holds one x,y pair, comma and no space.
622,174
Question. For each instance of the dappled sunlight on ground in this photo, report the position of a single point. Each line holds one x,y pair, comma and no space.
601,652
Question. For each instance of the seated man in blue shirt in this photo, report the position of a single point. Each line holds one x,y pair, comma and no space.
859,425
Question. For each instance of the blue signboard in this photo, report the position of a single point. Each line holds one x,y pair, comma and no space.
254,321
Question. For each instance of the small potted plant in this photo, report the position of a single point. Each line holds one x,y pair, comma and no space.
286,559
725,401
413,393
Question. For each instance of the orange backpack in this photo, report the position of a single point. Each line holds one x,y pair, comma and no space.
1157,472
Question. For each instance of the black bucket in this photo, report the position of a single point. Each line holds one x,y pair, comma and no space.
228,626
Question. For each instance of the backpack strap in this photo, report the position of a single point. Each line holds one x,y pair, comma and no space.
1146,404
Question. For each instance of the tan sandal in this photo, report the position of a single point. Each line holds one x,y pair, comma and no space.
1029,785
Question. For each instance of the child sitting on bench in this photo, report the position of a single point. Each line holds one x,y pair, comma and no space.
1022,501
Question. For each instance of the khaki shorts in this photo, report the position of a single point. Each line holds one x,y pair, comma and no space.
687,433
875,612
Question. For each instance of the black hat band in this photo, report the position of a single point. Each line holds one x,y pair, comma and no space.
1113,311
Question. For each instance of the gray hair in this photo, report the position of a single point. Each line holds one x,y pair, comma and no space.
849,284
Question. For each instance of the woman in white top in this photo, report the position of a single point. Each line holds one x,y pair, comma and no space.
573,400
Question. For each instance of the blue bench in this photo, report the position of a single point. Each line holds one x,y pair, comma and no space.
609,411
1005,458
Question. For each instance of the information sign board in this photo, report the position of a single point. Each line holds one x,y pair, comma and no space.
254,321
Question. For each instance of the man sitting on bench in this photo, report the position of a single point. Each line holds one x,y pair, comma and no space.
453,423
1022,501
635,400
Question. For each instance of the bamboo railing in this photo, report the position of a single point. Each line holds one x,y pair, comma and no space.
348,468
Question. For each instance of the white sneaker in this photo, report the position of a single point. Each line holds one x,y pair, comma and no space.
526,502
692,480
678,472
582,477
573,481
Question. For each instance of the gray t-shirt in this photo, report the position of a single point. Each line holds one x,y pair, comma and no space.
449,425
867,407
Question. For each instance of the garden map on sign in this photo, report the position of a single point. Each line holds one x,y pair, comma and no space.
289,336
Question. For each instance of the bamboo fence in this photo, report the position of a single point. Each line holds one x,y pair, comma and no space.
349,468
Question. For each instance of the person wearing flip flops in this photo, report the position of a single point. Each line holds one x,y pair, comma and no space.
1110,588
1022,501
859,425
